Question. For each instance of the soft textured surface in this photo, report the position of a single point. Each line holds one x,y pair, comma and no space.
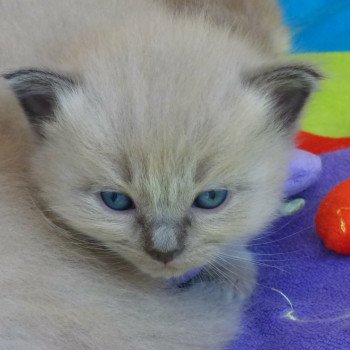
304,170
321,144
316,281
318,25
329,110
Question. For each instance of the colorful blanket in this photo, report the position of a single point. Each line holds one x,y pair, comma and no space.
302,299
318,25
303,294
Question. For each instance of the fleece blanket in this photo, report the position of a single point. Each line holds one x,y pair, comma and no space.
302,300
318,25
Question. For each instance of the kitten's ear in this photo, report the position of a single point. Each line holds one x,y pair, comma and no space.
288,87
37,92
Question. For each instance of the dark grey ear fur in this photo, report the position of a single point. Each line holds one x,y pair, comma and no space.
37,91
288,87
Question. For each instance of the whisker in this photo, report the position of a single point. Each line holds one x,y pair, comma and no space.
256,260
228,260
289,222
277,253
283,238
237,275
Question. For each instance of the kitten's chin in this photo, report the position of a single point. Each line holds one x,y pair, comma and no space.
168,271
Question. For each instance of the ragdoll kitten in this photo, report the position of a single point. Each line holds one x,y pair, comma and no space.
56,295
163,128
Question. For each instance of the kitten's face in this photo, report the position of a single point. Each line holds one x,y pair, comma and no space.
162,128
162,164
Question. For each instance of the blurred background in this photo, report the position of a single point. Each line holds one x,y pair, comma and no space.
319,318
321,35
318,25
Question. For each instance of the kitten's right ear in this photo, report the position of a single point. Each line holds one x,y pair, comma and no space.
37,92
288,87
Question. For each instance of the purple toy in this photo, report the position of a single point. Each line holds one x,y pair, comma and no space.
304,171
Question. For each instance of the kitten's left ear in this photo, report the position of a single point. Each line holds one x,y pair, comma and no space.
288,87
37,92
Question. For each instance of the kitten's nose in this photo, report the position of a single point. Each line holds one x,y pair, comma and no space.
164,257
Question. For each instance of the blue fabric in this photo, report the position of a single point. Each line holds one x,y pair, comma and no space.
316,281
318,25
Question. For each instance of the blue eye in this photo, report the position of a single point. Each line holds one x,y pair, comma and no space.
117,201
210,199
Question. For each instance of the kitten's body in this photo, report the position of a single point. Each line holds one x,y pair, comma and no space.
44,29
160,100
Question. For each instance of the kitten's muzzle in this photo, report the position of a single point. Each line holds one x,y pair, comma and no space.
164,257
163,240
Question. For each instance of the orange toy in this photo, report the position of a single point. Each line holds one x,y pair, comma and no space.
333,219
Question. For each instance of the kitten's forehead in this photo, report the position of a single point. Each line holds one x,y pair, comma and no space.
167,122
161,180
162,150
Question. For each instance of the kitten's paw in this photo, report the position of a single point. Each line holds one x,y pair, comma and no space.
234,279
245,279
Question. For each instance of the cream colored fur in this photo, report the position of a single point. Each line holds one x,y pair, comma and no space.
259,22
58,294
159,108
160,112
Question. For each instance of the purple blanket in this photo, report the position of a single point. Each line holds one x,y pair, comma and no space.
303,297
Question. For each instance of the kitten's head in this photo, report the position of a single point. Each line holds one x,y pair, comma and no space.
164,150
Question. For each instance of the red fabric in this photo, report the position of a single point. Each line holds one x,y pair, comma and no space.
320,144
333,219
333,216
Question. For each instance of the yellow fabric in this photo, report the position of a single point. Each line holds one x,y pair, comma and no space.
328,113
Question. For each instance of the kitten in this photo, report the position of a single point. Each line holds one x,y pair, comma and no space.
163,128
56,294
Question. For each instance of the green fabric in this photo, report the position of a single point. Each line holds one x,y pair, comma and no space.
328,113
